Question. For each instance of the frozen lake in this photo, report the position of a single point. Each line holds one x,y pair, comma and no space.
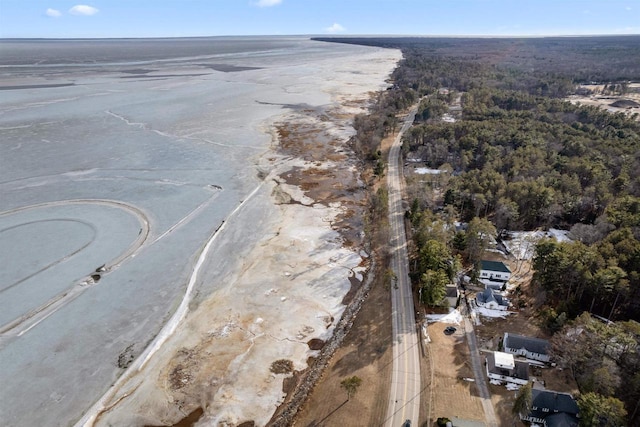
118,162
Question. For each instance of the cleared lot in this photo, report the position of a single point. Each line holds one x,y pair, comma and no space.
450,393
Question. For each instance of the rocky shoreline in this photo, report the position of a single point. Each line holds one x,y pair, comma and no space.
289,294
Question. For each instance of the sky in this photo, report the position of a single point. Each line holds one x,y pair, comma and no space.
186,18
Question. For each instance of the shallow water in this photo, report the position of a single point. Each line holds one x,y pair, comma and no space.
126,156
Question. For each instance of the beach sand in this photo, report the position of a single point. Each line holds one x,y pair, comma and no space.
285,291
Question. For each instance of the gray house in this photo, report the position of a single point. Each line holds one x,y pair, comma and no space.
503,367
489,299
531,348
552,409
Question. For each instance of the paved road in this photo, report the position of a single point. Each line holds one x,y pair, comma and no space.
404,396
478,372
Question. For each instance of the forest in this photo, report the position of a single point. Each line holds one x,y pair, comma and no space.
521,157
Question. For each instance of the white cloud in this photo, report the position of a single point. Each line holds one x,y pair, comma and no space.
83,9
267,3
335,28
53,13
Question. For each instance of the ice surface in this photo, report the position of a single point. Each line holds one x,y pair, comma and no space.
135,163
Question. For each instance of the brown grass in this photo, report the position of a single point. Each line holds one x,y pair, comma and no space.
366,353
451,394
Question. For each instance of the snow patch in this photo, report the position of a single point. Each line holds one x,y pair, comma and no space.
523,243
454,317
487,312
427,171
448,118
559,235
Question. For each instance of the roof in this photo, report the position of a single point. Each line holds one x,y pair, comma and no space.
494,266
452,291
488,295
520,369
555,401
533,345
504,360
561,420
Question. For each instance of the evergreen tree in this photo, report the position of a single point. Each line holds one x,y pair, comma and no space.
524,399
599,411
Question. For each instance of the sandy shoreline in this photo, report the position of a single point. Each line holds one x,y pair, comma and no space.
285,291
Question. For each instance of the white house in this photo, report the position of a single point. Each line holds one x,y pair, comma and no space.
491,300
531,348
494,274
503,367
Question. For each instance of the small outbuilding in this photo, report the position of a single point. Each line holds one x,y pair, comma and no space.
452,295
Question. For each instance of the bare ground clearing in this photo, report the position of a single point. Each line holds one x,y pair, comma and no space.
451,394
627,104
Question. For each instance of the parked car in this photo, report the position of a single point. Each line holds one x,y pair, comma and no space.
449,330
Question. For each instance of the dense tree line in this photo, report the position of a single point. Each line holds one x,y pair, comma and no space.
602,278
604,360
433,263
524,162
439,249
522,158
545,65
380,121
528,161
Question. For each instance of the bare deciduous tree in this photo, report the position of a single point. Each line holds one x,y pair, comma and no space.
351,385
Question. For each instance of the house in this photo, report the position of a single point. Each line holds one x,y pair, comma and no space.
503,367
494,274
561,420
531,348
489,299
552,409
452,295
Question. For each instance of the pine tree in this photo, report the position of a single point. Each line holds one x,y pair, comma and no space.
522,405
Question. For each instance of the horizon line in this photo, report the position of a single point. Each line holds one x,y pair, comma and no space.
461,36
